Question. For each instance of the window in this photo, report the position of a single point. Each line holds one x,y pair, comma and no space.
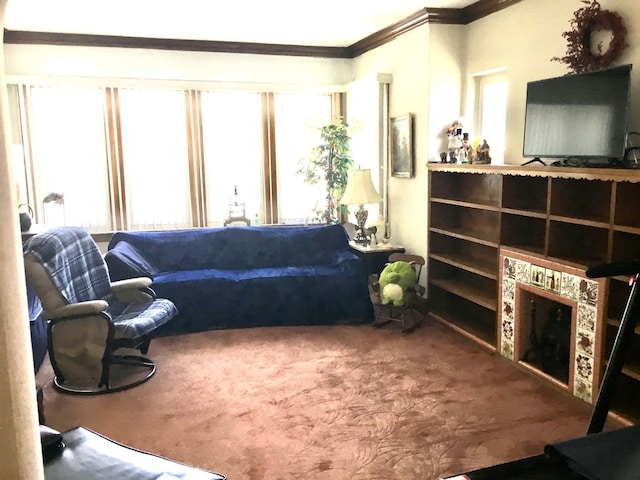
155,159
491,109
297,118
160,158
367,117
69,154
233,152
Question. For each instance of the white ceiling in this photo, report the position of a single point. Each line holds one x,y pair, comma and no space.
331,23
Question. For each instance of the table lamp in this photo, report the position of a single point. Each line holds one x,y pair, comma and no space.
359,191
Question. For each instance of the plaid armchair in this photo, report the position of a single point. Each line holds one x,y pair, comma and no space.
91,320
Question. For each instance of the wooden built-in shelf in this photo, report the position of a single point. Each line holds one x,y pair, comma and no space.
576,216
464,235
485,267
466,204
525,213
474,295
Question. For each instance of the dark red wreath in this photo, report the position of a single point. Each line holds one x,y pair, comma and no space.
587,20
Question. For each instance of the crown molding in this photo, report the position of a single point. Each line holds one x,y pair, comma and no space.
482,8
112,41
425,15
449,16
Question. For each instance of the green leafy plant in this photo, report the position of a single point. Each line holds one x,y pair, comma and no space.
329,162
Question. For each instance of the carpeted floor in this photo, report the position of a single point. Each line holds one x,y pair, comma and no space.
339,402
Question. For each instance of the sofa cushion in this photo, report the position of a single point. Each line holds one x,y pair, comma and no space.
125,261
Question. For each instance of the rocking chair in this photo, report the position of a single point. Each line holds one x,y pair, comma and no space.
92,321
406,314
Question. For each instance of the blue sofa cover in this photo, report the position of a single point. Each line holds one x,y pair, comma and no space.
235,277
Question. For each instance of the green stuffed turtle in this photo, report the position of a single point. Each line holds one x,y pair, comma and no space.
394,281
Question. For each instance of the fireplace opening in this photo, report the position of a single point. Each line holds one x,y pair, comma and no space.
546,336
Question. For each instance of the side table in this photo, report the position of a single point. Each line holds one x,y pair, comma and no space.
375,258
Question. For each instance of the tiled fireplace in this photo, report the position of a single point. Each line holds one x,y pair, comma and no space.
535,291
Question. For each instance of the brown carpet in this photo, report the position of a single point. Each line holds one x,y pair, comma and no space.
338,402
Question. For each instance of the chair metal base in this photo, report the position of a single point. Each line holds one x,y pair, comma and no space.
133,361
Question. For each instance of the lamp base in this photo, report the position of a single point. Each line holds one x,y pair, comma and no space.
361,237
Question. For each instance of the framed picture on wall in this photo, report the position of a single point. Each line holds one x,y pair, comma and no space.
402,146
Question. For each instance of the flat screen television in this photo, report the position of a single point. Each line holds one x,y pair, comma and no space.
581,118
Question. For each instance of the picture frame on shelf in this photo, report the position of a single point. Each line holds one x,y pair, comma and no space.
402,146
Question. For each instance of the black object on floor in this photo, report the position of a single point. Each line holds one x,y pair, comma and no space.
90,456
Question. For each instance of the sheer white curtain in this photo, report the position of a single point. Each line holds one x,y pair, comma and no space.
69,154
366,117
297,120
155,158
233,152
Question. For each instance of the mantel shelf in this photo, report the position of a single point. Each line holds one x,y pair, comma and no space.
579,173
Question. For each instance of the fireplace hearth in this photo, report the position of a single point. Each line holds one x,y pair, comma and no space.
549,339
551,321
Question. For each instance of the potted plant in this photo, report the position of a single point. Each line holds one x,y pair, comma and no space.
328,162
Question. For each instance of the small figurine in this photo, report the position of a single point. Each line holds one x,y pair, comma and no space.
454,140
483,153
466,152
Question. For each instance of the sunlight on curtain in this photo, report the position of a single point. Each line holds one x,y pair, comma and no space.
233,152
297,118
69,153
154,148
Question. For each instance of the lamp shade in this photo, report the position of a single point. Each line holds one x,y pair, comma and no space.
360,189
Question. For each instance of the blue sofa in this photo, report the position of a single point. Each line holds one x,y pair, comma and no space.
235,277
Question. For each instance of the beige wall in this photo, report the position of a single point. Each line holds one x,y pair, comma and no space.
426,81
523,38
432,68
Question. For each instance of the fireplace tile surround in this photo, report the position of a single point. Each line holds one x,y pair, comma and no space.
525,274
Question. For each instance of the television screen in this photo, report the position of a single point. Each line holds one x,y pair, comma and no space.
578,116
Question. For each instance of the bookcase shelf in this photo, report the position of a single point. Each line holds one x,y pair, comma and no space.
578,216
579,199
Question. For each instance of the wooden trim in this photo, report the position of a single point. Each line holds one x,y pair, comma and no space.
269,149
111,41
114,155
449,16
584,173
112,178
197,186
483,8
421,17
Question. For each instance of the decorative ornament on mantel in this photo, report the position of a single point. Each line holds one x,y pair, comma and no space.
588,20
